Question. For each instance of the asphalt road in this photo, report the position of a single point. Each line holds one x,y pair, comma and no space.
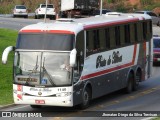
146,98
18,23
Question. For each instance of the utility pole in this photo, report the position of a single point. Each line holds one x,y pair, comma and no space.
45,12
101,7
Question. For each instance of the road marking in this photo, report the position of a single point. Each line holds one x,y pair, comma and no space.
149,118
141,93
57,118
17,108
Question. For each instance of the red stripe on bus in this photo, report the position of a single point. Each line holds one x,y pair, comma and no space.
47,31
31,31
109,23
112,69
61,31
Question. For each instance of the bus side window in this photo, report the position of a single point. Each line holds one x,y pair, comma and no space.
80,51
132,33
148,30
107,38
96,41
117,35
89,43
150,27
122,37
136,32
149,23
102,39
140,30
127,34
144,30
112,37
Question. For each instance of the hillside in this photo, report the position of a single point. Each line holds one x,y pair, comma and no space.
114,5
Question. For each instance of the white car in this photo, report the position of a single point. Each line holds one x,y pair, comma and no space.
41,11
155,18
20,10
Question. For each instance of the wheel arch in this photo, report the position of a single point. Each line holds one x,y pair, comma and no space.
138,69
131,71
89,86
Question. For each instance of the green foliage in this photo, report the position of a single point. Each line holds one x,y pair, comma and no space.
7,9
122,8
110,1
152,6
7,38
146,2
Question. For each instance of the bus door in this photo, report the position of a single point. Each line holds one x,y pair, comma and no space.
80,55
78,68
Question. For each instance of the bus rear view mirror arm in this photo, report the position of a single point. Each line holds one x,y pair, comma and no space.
73,57
6,52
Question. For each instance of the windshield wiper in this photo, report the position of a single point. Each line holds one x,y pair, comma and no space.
32,71
48,75
36,66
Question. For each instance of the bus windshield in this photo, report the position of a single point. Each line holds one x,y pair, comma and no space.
42,68
45,41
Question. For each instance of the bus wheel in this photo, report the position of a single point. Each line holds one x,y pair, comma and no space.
158,24
137,80
35,106
130,80
86,96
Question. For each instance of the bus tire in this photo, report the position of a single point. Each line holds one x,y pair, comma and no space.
35,106
53,17
158,24
137,80
38,16
86,96
129,86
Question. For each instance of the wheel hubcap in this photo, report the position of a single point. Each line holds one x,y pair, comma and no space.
86,97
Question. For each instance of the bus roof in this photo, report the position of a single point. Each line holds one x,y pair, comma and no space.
73,26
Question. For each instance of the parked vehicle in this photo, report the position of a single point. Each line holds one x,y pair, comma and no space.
21,11
155,18
156,50
76,8
41,11
97,12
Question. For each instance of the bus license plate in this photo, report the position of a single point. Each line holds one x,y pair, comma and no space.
39,101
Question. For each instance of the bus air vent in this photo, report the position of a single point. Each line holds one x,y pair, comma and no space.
68,20
114,13
130,16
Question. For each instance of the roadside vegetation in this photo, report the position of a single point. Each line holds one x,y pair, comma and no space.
7,38
158,118
113,5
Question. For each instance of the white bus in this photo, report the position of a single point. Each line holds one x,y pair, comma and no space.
72,61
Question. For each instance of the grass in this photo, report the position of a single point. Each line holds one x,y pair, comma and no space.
7,38
156,118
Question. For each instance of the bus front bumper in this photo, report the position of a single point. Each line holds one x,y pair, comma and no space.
51,101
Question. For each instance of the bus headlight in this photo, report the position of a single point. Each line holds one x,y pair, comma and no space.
64,94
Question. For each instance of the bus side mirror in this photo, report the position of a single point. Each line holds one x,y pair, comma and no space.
6,52
73,57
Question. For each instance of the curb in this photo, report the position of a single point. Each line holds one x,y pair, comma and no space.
7,106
